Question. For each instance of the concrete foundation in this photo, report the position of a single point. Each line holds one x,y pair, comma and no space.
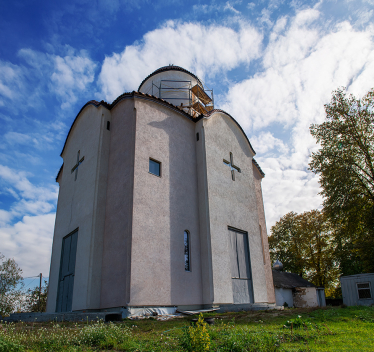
117,314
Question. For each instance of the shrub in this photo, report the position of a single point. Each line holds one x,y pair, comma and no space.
8,346
298,322
196,337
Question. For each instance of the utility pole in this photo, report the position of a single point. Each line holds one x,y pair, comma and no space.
40,291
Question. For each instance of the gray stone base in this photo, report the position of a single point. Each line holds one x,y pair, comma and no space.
119,313
248,307
60,317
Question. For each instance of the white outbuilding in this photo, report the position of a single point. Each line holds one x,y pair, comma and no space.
357,290
292,290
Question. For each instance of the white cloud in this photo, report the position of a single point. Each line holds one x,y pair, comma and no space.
64,75
265,142
265,17
301,68
71,75
303,62
214,7
29,242
29,239
11,81
205,50
5,217
287,189
19,181
28,198
229,6
251,5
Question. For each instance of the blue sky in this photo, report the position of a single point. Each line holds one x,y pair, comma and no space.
272,65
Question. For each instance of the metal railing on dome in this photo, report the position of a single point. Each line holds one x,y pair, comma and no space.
194,100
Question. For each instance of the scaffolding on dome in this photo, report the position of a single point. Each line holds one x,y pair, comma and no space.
195,100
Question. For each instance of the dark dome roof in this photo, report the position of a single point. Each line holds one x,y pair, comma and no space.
278,265
170,68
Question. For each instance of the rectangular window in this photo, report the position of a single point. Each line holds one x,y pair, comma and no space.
154,167
364,290
187,266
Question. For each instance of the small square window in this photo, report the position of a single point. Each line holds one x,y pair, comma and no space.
364,290
154,167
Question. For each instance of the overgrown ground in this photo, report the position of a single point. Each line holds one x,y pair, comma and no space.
328,329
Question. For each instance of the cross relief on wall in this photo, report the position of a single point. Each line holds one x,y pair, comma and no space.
75,168
232,166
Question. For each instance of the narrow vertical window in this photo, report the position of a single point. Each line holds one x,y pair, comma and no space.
197,136
108,125
187,265
262,244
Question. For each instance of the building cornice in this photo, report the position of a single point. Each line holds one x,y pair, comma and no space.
255,163
123,96
212,112
152,98
91,102
59,171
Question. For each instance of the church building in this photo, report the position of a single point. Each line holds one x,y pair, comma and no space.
160,205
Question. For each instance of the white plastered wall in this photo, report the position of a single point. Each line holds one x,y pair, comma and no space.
81,205
230,203
163,208
305,297
283,295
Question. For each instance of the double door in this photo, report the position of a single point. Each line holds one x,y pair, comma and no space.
240,267
67,271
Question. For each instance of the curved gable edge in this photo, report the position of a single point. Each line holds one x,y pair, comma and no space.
91,102
120,98
255,163
212,112
152,98
59,172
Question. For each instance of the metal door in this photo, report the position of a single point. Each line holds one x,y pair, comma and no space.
67,271
240,267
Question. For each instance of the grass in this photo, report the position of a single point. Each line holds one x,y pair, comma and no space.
327,329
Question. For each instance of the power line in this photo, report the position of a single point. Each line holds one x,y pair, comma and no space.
30,283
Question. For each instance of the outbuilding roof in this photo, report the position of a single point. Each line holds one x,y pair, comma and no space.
289,280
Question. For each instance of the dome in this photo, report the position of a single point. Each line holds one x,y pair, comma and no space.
166,69
179,87
278,265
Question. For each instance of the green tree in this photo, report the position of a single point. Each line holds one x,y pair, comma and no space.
317,234
304,244
345,163
32,298
285,244
10,278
